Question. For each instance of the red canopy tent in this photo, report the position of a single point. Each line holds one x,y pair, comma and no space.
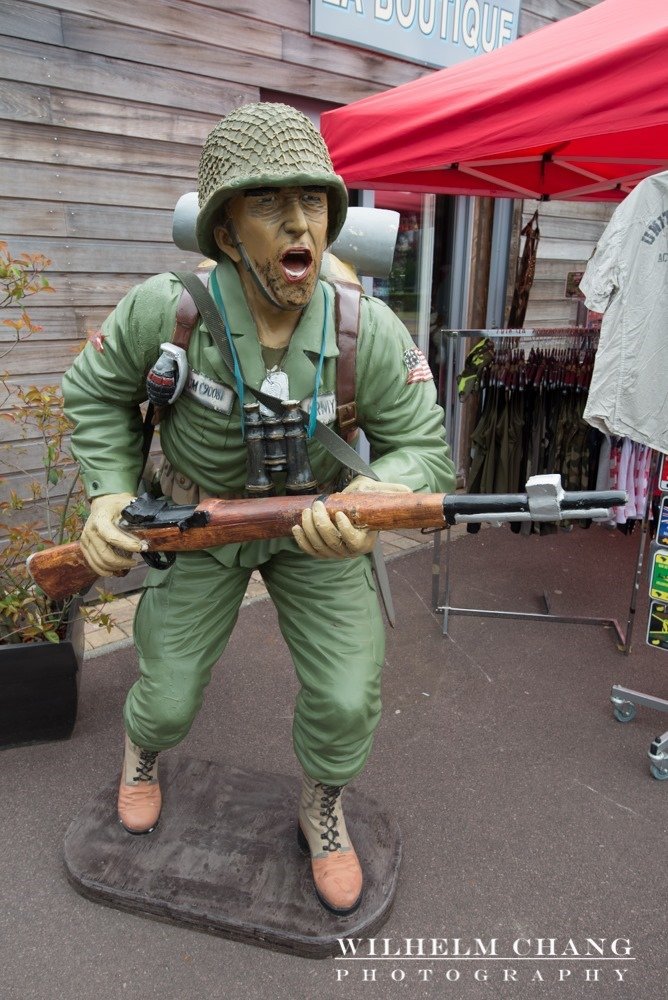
576,110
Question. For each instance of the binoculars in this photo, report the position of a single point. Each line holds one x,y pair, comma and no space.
276,443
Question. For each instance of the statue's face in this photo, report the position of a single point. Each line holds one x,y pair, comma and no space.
284,233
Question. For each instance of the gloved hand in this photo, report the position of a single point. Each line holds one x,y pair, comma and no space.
323,538
108,549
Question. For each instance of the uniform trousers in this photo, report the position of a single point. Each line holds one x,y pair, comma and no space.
329,615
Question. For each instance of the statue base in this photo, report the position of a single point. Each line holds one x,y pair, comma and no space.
224,859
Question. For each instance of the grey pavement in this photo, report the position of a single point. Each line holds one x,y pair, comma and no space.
532,829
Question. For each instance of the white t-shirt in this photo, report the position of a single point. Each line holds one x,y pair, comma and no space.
627,280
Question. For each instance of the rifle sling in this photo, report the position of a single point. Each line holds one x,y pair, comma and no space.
186,317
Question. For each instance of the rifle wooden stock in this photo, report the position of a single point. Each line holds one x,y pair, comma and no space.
62,570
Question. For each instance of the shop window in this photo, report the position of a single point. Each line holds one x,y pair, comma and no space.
419,286
401,289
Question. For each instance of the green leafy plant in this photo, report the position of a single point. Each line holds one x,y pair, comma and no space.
53,509
20,277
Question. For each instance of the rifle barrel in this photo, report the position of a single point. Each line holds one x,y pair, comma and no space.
62,570
496,505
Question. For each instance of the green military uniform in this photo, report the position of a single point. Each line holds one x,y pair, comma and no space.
328,611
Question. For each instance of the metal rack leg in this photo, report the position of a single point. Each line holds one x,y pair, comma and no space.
642,547
624,637
658,755
625,701
447,609
435,569
446,595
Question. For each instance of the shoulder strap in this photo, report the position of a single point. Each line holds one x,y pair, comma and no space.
347,297
187,315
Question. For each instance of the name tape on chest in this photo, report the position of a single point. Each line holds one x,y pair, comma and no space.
208,393
216,396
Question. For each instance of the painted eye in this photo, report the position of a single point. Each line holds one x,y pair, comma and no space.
263,199
314,199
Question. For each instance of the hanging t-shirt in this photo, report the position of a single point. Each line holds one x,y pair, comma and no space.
627,280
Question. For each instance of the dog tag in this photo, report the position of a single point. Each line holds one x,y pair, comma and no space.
275,384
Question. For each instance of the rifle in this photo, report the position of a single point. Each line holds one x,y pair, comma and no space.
62,570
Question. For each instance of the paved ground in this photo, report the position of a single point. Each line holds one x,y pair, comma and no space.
533,832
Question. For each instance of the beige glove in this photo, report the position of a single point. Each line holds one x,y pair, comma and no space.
108,549
323,538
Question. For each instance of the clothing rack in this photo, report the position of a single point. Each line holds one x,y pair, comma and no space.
625,700
450,361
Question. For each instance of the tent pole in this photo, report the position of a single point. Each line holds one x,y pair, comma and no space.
498,268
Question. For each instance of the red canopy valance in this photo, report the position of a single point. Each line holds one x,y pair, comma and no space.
576,110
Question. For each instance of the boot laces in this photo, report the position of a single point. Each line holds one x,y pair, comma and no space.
328,800
145,765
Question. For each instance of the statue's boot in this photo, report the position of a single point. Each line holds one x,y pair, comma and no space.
337,874
139,799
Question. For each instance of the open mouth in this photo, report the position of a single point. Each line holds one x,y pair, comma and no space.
296,263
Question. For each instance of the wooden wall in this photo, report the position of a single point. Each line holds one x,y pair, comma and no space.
538,13
569,230
104,106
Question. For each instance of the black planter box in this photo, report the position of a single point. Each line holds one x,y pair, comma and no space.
39,687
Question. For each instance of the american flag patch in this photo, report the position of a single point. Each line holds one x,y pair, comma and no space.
418,368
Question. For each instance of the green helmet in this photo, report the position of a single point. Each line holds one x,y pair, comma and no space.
263,145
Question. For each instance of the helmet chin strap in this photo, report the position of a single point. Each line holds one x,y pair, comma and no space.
248,264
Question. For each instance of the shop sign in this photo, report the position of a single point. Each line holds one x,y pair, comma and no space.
663,474
435,33
657,625
658,577
662,528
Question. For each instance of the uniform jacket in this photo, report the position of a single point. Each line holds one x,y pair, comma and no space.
201,435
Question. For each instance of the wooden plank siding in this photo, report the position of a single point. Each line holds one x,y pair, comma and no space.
569,230
104,105
568,235
539,13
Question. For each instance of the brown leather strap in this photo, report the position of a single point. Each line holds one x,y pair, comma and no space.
347,299
187,315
